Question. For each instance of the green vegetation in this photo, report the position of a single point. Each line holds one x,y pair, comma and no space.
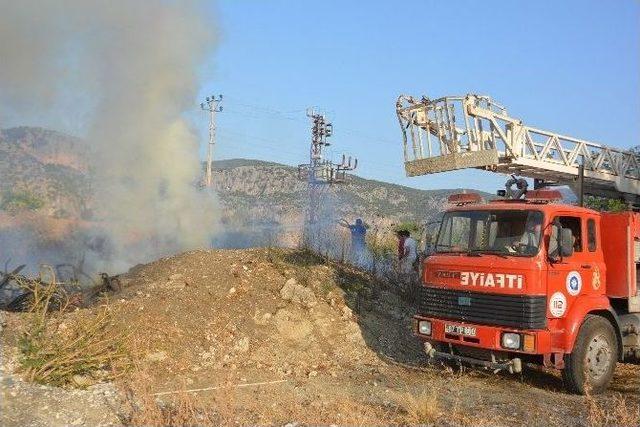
15,201
411,226
382,248
605,205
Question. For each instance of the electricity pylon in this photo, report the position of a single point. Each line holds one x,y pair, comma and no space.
320,173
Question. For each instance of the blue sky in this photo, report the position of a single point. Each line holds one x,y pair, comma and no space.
568,66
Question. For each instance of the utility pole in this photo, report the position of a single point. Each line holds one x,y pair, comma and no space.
320,173
212,105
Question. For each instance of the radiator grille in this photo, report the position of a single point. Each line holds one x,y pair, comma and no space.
516,311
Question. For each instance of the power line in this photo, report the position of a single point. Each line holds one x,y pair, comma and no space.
266,108
261,111
275,113
275,145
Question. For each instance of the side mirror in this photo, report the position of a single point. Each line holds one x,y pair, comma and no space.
566,242
430,235
429,249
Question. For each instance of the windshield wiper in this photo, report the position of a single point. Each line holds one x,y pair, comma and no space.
477,252
450,252
468,252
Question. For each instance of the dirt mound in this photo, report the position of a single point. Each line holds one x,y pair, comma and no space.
255,315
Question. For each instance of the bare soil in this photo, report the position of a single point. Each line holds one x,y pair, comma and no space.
334,347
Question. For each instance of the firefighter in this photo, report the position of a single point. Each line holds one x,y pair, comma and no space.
407,263
530,239
358,237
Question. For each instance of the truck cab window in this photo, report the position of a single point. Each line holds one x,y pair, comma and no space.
591,234
508,232
573,223
455,233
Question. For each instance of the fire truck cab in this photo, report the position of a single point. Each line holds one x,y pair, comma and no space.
533,281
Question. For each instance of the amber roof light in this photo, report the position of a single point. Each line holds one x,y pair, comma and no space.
543,196
461,199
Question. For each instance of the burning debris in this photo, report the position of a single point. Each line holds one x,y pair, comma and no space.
53,288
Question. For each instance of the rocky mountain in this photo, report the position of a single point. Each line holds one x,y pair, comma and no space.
273,189
46,171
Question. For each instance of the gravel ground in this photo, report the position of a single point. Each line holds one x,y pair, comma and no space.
29,404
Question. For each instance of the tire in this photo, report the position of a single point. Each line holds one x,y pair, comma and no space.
589,368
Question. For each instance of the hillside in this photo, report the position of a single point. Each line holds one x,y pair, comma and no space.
244,183
47,171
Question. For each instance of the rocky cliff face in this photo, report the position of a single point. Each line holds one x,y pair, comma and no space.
45,170
274,189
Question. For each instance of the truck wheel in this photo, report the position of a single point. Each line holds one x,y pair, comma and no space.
590,367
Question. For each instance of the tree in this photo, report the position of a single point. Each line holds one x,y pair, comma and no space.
604,204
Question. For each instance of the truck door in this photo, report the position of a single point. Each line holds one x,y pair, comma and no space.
568,275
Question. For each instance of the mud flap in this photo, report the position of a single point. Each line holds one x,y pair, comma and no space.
554,360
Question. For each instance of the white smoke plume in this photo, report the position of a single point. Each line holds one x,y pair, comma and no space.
123,73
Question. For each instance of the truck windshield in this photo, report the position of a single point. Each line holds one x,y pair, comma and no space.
503,232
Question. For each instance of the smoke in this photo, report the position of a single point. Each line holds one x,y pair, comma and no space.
123,74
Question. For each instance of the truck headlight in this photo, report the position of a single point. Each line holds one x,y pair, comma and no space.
510,340
424,327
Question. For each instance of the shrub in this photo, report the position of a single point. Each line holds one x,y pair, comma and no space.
15,201
80,352
412,227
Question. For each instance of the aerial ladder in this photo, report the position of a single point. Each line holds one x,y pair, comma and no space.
473,131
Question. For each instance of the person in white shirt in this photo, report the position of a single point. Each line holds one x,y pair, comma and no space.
408,253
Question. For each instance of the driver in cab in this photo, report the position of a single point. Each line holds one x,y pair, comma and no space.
530,240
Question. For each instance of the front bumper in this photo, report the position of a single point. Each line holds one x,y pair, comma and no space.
487,337
513,366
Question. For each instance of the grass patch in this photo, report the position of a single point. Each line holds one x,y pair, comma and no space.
612,411
304,258
326,288
181,409
421,409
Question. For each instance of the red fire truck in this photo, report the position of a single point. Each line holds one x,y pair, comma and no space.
526,278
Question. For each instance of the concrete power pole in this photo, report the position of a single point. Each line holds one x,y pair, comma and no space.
212,105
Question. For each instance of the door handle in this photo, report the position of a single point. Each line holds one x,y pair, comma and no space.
585,266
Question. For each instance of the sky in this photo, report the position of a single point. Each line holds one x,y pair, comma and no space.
571,67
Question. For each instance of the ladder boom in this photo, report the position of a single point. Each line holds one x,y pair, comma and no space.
473,131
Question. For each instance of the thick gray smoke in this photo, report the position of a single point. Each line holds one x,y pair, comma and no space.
122,74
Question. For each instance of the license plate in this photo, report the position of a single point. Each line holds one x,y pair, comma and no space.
468,331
